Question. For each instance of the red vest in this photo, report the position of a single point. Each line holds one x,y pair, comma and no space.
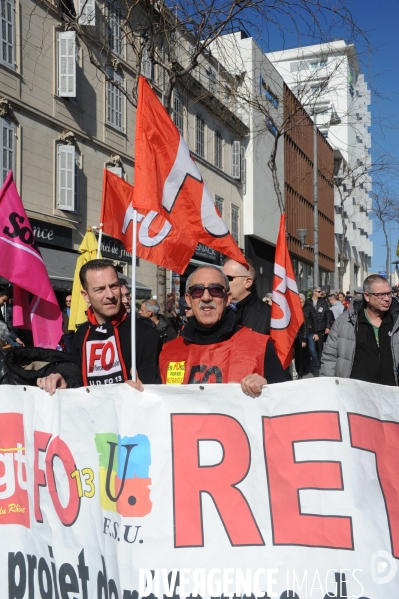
228,361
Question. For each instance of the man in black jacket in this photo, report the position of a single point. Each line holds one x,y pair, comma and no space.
324,318
150,310
103,344
250,310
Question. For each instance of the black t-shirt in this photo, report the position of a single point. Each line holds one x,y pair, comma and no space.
106,356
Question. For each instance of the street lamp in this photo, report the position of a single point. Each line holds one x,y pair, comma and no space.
302,236
334,120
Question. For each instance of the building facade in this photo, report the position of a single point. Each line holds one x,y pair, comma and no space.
63,121
327,80
280,128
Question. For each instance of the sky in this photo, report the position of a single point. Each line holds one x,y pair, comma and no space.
379,21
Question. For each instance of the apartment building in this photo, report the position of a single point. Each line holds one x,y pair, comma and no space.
327,80
278,126
62,122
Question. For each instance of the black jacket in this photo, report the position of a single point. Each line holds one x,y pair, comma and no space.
165,329
373,362
24,365
148,348
8,321
253,313
324,316
310,316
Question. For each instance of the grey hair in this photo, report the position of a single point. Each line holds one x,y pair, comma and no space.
302,297
4,332
368,283
226,280
152,306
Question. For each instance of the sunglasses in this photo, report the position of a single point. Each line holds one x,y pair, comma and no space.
231,277
197,291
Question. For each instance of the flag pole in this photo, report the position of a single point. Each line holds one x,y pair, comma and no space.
133,301
100,235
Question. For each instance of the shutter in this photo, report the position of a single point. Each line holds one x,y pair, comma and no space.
117,170
67,64
87,12
242,169
66,178
235,164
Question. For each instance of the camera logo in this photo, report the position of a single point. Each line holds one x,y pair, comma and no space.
383,567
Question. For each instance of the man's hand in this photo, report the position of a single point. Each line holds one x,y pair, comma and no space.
252,384
21,343
137,384
315,337
303,343
327,331
52,382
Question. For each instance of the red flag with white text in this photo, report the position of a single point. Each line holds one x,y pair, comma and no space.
287,313
157,240
168,181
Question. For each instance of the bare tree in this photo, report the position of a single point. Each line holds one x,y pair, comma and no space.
385,211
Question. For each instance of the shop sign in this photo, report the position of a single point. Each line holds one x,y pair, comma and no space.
203,252
51,234
113,249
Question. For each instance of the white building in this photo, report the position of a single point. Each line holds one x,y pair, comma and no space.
259,81
326,78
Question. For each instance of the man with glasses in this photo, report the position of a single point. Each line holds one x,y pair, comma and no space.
213,347
364,341
250,310
324,320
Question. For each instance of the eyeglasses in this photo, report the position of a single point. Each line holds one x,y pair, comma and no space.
318,290
231,278
197,291
380,295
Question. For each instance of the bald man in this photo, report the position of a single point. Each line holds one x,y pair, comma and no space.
249,308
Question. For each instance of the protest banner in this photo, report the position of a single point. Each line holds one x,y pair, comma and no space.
108,493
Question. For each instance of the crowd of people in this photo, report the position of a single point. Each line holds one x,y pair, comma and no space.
219,334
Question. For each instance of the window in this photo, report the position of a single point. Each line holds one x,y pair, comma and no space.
117,170
212,80
234,222
7,32
114,101
67,64
178,113
7,156
270,125
271,98
219,205
235,159
67,178
199,135
147,68
218,149
87,12
114,27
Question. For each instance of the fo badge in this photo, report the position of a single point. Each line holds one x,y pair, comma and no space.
175,374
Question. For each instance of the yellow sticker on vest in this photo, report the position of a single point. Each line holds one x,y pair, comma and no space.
175,374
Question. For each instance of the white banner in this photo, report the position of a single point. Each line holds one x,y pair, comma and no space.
107,493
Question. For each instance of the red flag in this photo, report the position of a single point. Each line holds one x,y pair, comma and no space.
287,314
157,240
23,265
168,181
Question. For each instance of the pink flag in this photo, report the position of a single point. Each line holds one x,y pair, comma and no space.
23,265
